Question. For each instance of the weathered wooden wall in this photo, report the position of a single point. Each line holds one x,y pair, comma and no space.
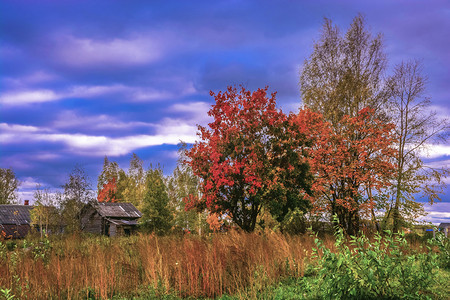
91,221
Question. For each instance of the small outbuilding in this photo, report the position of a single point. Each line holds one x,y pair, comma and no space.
15,221
111,219
445,227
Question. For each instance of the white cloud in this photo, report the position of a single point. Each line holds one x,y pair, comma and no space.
27,97
26,195
85,52
97,145
170,126
129,93
70,119
28,183
195,112
96,90
101,145
33,78
18,128
191,107
437,213
442,112
435,150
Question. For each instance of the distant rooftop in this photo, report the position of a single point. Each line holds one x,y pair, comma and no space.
117,210
13,214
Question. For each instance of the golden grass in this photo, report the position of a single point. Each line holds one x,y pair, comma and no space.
78,266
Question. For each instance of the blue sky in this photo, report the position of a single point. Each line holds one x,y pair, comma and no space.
83,79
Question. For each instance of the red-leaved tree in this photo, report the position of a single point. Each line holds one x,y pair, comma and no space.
249,158
350,164
108,192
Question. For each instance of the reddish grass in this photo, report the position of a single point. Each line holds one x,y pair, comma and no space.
78,266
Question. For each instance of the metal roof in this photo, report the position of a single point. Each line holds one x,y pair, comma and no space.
117,210
12,214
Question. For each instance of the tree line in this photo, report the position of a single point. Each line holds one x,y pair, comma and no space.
353,150
160,198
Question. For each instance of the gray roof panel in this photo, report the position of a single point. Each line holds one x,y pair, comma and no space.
117,210
13,214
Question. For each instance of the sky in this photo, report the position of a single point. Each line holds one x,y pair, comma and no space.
83,79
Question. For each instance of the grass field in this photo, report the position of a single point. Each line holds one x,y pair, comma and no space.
228,266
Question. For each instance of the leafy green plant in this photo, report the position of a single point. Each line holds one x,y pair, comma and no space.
6,294
294,222
11,245
42,250
443,245
383,269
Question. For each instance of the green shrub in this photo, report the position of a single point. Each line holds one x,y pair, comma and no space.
6,294
443,245
382,269
11,245
294,222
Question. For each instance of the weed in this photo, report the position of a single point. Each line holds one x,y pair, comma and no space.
6,294
383,269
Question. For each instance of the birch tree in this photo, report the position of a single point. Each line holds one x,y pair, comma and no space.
418,128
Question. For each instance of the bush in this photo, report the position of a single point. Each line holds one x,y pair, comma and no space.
443,245
382,269
294,222
11,245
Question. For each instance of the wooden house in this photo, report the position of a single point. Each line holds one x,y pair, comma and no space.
15,221
111,219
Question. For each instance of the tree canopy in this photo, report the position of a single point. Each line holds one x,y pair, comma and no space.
248,160
344,73
8,186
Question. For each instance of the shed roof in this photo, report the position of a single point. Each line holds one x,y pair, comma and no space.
12,214
117,210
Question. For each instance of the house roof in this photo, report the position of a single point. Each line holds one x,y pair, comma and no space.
442,225
117,210
12,214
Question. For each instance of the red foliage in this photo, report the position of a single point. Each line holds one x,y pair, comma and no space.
234,156
215,224
253,155
349,163
108,192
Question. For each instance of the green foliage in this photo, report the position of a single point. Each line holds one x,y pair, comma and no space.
132,184
344,73
11,245
443,245
382,269
77,192
6,294
110,170
294,222
42,250
8,186
157,215
44,215
180,185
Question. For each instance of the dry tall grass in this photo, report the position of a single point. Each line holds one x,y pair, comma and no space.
77,267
